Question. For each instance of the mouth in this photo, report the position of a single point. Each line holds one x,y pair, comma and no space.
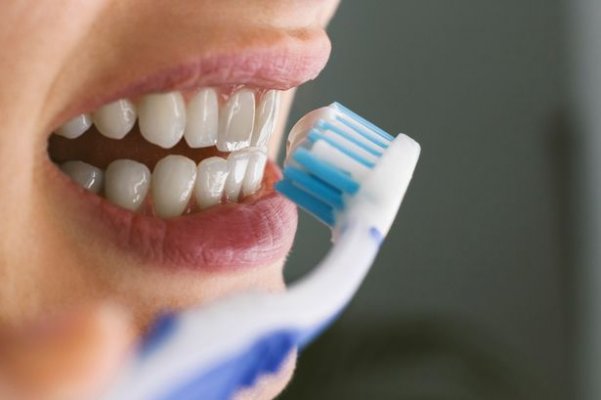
173,169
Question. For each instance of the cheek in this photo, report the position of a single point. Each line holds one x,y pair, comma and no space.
328,10
151,293
39,36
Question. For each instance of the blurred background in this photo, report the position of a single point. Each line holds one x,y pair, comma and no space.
485,288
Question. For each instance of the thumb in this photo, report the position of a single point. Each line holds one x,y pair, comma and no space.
66,357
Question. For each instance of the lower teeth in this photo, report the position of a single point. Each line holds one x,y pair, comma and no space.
176,185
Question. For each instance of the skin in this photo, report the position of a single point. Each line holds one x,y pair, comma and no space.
69,307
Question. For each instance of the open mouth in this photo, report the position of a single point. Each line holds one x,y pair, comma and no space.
171,154
171,170
181,178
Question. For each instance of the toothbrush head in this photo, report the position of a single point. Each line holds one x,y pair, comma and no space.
341,168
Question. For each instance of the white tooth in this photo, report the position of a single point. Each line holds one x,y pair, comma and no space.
237,163
86,175
210,181
75,127
116,119
126,183
162,118
237,121
202,119
254,172
172,184
267,111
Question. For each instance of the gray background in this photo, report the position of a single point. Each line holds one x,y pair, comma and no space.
470,296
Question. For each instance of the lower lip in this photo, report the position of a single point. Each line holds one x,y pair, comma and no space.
257,231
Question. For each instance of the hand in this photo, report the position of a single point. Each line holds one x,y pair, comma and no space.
69,357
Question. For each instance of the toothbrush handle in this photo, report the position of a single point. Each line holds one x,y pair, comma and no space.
222,381
236,368
335,281
292,323
210,353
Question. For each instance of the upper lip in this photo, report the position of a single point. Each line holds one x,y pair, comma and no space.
281,60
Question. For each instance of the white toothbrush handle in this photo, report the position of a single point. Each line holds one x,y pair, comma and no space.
322,294
250,333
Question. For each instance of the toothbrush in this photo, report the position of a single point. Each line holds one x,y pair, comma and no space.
349,174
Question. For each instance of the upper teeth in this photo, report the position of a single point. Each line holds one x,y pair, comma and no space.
265,119
162,118
116,119
202,122
165,118
241,125
75,127
237,121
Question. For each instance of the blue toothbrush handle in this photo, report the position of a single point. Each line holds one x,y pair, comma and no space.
265,356
222,381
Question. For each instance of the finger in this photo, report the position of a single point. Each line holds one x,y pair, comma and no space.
70,357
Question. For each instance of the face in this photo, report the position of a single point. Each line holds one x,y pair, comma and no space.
136,150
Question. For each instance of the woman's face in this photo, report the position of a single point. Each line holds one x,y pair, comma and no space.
155,236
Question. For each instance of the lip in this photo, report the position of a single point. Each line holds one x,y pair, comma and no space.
257,231
281,60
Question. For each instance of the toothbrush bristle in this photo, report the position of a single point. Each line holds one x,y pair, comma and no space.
362,121
328,169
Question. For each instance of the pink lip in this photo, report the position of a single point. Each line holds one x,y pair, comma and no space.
258,231
281,65
270,68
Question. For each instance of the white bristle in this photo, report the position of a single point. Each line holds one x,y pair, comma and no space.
354,133
360,151
332,155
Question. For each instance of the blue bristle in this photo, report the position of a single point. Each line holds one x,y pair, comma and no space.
319,209
314,186
365,122
315,136
326,171
325,125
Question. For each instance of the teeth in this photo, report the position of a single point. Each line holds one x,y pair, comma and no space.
237,163
240,127
87,176
116,119
254,172
266,117
127,183
75,127
202,119
237,120
172,183
210,181
162,118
